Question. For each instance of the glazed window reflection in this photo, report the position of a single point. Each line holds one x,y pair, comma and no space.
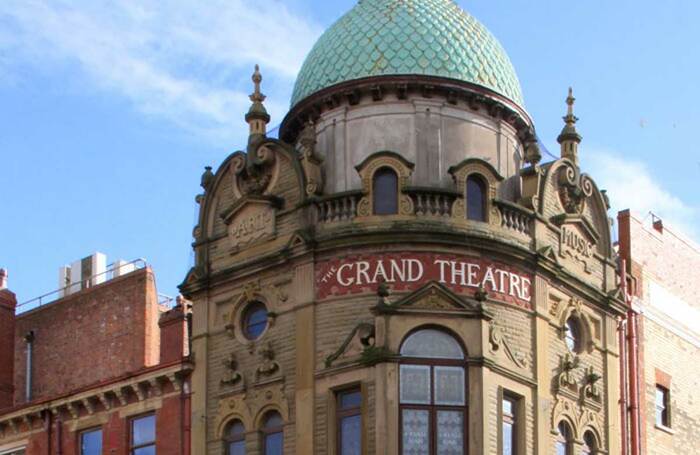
432,394
564,440
349,422
476,198
273,434
386,192
234,438
91,442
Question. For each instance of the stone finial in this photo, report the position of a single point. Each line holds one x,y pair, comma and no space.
569,139
207,178
257,116
3,278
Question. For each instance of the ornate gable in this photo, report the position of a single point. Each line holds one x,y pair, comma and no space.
435,297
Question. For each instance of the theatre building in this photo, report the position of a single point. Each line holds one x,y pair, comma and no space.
99,367
399,272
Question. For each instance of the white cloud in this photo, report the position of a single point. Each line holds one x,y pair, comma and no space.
187,61
631,185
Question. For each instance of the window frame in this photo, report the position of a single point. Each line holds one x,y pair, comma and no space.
433,408
268,431
89,430
375,193
587,448
666,410
513,419
567,439
484,188
227,439
353,411
133,448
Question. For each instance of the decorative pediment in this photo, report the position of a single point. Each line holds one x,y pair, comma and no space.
251,219
436,298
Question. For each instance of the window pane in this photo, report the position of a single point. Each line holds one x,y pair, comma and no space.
507,407
449,385
507,438
660,401
433,344
143,430
274,443
150,450
415,434
561,448
386,200
236,448
273,419
235,429
255,321
450,437
91,443
351,435
476,199
350,400
415,384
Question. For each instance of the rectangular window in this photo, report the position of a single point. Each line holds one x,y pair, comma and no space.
349,422
663,405
91,442
143,435
508,425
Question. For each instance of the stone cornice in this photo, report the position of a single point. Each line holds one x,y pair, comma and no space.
101,398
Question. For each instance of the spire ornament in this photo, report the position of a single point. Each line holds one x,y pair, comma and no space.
569,139
257,116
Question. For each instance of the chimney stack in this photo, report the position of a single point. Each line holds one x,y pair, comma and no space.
8,303
174,343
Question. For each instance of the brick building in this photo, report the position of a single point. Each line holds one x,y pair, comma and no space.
103,369
398,272
664,270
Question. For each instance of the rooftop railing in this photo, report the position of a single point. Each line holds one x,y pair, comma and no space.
111,272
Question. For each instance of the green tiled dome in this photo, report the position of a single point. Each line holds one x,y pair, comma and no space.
407,37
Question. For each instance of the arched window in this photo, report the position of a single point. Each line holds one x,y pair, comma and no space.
564,444
573,334
234,438
385,188
476,198
273,434
590,446
432,394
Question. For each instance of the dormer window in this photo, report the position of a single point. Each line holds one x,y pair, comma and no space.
476,198
385,187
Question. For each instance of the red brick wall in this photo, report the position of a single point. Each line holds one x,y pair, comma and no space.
171,437
7,343
89,337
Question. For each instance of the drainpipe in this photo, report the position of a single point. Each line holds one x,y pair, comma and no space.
633,360
29,338
632,355
622,337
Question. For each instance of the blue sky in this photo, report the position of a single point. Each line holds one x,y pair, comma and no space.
110,110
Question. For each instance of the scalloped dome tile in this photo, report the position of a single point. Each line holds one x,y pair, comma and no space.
404,37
